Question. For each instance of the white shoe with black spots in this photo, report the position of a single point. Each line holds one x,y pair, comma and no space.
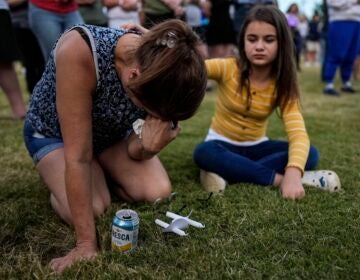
212,182
326,180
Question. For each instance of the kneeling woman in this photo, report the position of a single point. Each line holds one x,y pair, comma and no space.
97,83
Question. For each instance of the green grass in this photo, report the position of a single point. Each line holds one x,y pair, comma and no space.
250,233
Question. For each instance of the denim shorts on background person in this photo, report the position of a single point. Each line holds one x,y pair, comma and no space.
38,145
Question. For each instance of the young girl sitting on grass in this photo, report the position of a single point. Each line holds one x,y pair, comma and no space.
251,87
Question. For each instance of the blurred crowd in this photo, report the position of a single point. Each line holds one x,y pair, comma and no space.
31,27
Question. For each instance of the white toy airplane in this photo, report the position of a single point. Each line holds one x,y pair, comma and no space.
178,224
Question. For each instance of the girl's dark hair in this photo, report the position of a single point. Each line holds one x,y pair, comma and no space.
293,5
173,76
283,67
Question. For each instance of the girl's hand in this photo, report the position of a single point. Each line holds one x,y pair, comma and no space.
156,134
291,186
134,26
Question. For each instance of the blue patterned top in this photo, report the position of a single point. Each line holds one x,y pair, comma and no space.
112,112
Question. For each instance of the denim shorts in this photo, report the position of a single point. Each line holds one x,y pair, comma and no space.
39,145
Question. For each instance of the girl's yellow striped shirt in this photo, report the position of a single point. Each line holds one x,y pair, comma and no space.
234,121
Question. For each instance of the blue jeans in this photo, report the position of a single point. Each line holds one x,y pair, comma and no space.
39,146
48,26
256,164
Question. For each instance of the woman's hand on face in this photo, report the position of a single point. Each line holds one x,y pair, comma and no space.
134,26
156,134
291,186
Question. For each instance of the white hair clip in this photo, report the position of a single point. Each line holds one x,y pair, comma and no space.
168,40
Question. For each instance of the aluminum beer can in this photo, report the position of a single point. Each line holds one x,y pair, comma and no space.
125,231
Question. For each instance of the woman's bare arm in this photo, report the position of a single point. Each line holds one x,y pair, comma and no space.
75,83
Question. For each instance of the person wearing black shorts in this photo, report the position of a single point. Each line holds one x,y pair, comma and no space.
8,54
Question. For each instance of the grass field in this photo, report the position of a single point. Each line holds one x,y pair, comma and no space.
250,233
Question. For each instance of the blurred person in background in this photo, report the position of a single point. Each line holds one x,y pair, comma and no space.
193,17
30,53
48,19
121,12
156,11
303,28
8,55
343,44
92,12
313,41
220,34
292,15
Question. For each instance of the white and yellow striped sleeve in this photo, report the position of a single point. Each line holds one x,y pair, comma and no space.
218,68
299,143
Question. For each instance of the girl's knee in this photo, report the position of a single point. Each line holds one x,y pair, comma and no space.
202,152
313,158
198,152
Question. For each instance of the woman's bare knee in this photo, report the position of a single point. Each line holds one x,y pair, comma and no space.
62,210
146,192
156,191
100,205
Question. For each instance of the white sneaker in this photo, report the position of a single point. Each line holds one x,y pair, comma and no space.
212,182
326,180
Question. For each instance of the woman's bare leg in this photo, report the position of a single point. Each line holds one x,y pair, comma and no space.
52,171
144,180
10,84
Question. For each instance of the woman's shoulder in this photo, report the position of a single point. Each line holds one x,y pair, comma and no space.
104,33
104,40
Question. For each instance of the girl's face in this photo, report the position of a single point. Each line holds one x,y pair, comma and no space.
261,45
294,9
